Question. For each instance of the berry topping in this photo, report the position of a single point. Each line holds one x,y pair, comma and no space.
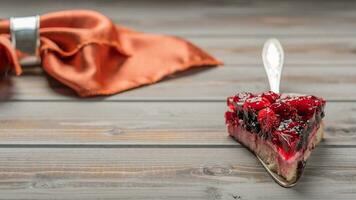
256,103
305,105
283,109
267,119
241,97
271,96
237,99
230,103
231,118
284,120
287,135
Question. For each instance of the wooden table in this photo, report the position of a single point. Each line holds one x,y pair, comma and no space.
168,140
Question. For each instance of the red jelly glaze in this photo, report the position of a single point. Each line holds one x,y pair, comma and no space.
231,118
285,119
267,119
256,103
271,96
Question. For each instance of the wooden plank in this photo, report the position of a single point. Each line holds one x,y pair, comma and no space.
171,173
209,84
137,123
170,142
306,50
278,18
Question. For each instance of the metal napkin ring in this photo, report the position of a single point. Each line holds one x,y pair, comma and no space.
25,37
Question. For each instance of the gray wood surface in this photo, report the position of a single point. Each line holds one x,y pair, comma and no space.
210,84
141,123
165,173
168,140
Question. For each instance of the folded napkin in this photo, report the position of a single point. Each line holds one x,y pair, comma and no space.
89,53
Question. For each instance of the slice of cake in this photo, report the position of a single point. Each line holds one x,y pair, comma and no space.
281,129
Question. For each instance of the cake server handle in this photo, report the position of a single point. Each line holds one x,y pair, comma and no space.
273,58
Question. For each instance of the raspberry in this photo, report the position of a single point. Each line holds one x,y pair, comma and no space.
271,96
230,103
231,118
236,101
305,105
256,103
283,109
267,119
242,96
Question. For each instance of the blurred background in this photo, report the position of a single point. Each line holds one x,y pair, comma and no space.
318,36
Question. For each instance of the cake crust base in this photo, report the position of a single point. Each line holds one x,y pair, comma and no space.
288,169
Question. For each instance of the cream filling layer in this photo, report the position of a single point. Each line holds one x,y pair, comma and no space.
287,168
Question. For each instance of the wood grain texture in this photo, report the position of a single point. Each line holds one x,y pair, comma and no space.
168,140
279,18
141,123
299,50
209,84
165,173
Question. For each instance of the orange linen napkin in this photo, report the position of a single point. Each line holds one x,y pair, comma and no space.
89,53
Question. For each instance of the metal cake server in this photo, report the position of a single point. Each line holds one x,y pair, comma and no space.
273,58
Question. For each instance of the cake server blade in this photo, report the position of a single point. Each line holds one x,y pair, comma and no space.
273,59
280,180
